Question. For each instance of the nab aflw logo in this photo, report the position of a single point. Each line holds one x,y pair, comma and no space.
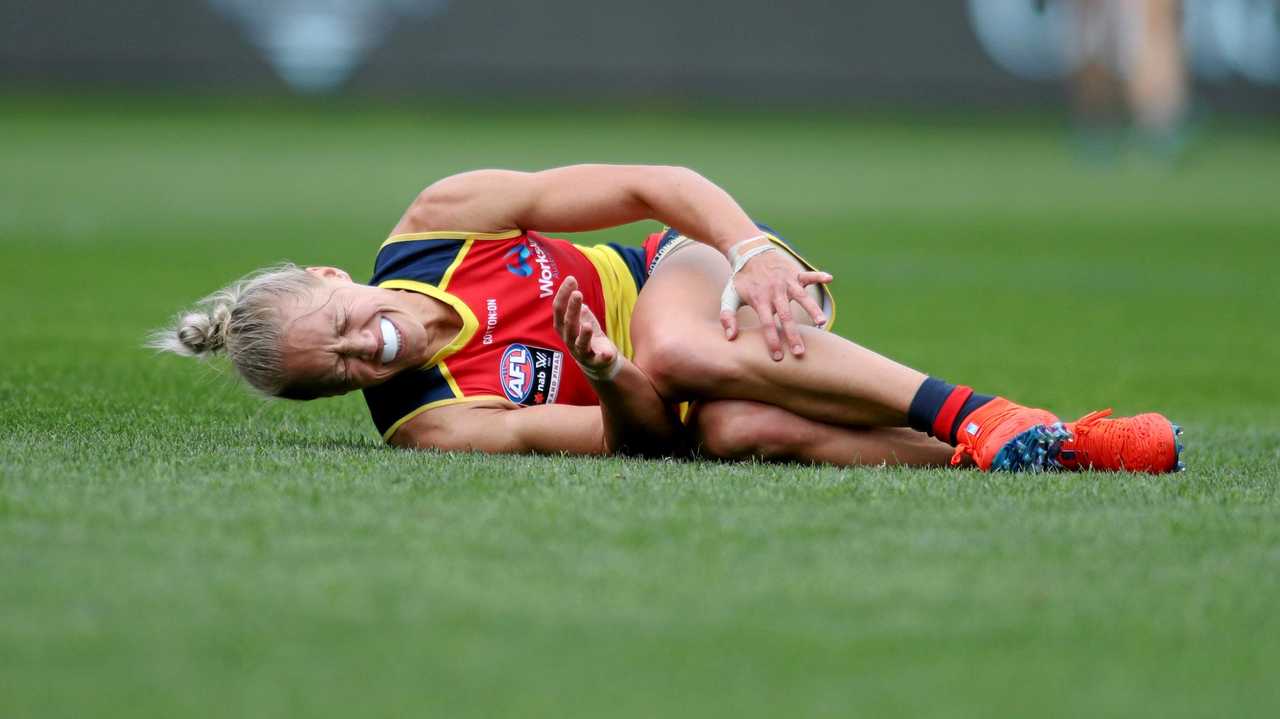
530,375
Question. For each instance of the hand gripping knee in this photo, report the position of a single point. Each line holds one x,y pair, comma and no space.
739,254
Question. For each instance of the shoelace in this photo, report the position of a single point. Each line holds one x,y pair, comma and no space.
1112,435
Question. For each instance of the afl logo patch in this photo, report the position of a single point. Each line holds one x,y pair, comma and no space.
530,375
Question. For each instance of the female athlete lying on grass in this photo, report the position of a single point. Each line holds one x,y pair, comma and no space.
479,333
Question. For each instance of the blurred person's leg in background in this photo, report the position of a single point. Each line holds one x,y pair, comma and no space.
1095,43
1157,77
1129,61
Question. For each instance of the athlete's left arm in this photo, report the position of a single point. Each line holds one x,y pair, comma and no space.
634,418
631,419
581,198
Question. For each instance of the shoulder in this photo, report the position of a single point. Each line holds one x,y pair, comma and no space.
460,201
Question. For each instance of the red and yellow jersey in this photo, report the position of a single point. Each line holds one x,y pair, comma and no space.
502,286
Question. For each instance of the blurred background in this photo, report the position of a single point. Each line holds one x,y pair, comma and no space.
1070,203
983,53
1125,147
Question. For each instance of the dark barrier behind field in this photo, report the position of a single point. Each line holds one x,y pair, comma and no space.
915,52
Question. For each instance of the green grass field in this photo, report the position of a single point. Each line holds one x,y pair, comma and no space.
171,546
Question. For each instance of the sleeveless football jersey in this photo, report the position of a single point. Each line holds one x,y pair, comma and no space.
502,286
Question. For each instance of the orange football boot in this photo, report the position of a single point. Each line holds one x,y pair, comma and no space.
1003,436
1145,443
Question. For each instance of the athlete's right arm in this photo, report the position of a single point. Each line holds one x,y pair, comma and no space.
581,198
495,427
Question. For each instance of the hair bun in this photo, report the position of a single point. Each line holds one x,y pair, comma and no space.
244,321
205,332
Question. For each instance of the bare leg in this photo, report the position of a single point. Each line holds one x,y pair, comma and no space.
1157,83
1095,43
739,429
680,343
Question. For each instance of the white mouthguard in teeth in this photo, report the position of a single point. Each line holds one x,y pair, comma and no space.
390,340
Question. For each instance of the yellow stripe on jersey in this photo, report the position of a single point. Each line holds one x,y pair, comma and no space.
469,322
448,377
452,235
620,293
457,260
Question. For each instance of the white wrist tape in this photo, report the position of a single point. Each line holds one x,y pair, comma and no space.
741,260
605,374
748,244
738,257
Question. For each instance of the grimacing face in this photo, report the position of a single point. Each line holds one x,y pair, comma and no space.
333,341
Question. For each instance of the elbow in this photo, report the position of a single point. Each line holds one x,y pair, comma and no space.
660,185
654,437
680,183
678,175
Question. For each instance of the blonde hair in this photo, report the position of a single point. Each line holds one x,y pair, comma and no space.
243,321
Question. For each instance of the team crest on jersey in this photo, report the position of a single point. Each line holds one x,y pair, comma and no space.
518,264
530,259
530,375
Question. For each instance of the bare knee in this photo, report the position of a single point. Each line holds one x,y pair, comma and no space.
733,429
682,364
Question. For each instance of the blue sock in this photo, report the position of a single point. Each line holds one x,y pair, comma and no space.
940,408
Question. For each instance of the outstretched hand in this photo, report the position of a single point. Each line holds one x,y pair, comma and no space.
580,331
768,283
